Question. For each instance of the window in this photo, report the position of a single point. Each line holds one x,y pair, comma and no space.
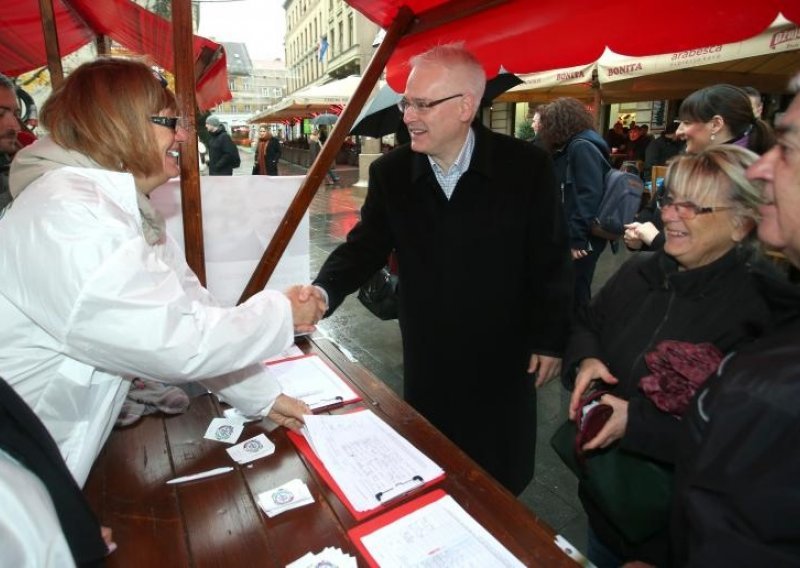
350,30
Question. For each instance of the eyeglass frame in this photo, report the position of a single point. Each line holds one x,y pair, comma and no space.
688,210
423,106
171,122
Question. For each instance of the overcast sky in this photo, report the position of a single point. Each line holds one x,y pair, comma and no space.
260,24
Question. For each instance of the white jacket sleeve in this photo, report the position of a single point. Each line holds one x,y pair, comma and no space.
86,275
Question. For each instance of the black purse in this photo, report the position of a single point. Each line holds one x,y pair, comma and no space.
379,295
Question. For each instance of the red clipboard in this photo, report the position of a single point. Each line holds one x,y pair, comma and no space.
362,530
302,444
341,401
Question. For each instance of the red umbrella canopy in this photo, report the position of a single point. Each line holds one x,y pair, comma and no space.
22,45
525,36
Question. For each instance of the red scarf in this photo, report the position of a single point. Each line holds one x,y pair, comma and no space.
261,153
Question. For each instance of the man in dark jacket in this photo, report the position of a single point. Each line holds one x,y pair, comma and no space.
738,502
484,268
222,152
660,150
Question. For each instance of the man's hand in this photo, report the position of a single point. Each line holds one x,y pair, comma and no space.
578,254
546,367
589,370
288,412
308,307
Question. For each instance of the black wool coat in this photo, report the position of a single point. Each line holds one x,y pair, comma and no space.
485,280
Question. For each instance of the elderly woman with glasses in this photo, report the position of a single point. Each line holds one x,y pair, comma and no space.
95,293
664,308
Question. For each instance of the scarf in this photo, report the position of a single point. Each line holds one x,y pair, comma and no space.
261,157
33,161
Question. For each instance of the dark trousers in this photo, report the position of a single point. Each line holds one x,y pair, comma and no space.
584,272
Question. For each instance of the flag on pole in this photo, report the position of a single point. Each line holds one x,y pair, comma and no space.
323,47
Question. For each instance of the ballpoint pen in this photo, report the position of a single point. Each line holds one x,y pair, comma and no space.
201,475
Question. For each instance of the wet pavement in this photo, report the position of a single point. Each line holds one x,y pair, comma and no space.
553,493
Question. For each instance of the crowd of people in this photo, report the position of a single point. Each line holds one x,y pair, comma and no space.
689,349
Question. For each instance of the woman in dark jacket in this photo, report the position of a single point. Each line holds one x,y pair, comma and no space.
698,289
580,157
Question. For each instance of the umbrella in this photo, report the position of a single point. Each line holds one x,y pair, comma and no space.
324,119
381,116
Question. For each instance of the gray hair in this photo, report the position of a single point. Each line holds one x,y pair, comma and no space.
453,55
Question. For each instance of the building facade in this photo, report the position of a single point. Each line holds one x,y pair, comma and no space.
254,85
325,40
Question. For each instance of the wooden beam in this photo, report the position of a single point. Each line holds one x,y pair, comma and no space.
103,44
448,12
51,42
318,169
183,41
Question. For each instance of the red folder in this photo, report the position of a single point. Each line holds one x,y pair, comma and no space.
362,530
302,444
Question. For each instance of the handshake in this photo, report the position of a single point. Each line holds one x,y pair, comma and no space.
308,306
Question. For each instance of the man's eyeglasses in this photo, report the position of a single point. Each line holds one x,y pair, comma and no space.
169,121
686,209
422,106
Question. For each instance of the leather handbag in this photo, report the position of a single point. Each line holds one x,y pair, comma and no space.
379,295
633,492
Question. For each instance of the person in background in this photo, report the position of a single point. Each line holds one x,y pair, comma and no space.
580,158
698,289
223,155
616,138
660,150
736,500
536,125
483,264
268,152
722,114
9,128
125,303
755,100
314,147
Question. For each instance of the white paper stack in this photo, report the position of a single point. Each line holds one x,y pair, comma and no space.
288,496
252,449
331,556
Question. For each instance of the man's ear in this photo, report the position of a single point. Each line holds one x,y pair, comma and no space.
467,108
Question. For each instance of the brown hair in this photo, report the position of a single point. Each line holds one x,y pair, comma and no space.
561,120
736,110
103,110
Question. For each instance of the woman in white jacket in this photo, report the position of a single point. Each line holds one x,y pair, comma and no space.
94,292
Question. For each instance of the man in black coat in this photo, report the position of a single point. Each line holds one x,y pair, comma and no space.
737,501
223,156
484,267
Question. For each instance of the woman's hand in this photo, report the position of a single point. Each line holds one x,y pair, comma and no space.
637,234
288,412
590,369
614,429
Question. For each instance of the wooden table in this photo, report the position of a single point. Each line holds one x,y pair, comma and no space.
216,521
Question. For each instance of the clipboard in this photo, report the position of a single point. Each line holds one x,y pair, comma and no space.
345,394
494,553
393,493
360,531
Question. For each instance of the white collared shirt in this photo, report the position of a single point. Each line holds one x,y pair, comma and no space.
448,180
